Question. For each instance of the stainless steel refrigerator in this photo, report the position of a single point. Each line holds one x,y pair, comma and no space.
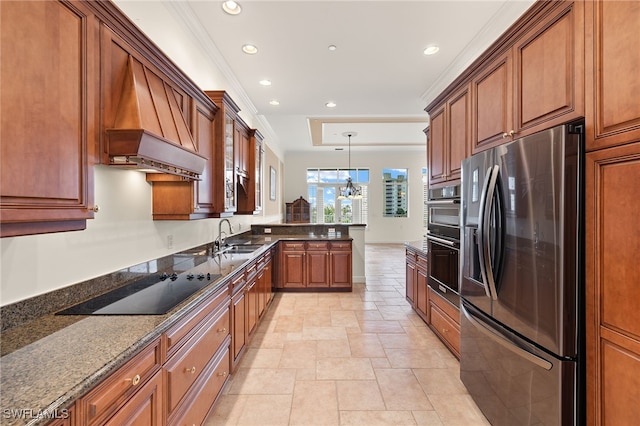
522,279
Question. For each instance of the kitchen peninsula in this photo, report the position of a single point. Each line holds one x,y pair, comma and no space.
112,365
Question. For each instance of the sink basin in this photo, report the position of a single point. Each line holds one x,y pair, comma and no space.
242,248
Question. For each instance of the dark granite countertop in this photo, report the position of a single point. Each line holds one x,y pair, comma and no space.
418,245
52,360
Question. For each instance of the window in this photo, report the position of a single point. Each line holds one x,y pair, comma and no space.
323,190
395,192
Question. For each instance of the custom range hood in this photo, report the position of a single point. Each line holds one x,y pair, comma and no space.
150,132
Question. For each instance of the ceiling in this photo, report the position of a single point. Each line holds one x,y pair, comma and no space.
377,76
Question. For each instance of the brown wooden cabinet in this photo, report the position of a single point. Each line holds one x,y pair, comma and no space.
449,137
315,265
612,64
144,407
124,392
298,211
444,320
239,330
250,170
612,277
51,118
417,281
536,83
340,264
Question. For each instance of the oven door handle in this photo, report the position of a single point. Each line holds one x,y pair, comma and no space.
443,202
441,241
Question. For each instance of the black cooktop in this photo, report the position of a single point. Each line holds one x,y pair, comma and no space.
153,295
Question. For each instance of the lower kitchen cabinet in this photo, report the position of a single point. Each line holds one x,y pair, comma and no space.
444,320
125,393
239,335
612,277
315,265
416,282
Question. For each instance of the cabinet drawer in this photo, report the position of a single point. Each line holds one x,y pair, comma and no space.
292,245
105,398
204,393
341,245
178,334
318,246
445,306
238,282
446,328
184,368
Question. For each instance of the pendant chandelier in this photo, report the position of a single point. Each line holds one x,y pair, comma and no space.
350,191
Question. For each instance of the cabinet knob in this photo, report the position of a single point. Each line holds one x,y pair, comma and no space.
505,135
191,370
445,331
512,132
222,330
94,209
223,374
135,380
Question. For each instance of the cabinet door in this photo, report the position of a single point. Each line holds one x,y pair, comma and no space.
203,131
144,408
436,146
549,71
612,64
612,291
252,305
293,270
459,132
48,110
341,275
410,279
317,263
491,112
421,303
238,316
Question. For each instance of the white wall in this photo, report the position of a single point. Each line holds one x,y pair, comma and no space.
379,229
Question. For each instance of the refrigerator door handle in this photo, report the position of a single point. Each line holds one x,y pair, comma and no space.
486,202
498,338
481,214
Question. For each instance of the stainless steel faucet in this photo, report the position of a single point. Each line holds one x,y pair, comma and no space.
220,239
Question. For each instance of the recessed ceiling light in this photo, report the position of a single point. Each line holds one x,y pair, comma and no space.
249,49
231,7
330,104
431,50
274,102
332,47
265,82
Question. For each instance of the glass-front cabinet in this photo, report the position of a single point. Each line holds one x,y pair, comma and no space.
229,167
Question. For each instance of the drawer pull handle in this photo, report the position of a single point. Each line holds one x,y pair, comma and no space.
135,380
222,330
191,370
223,374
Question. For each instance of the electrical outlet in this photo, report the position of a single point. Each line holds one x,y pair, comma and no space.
170,241
267,230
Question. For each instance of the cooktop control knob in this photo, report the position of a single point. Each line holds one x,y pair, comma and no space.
174,276
163,276
209,276
190,277
201,277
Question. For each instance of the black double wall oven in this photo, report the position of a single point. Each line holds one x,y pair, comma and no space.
443,239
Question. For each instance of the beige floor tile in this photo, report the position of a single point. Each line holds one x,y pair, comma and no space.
366,345
344,319
299,354
381,327
428,418
261,358
458,410
227,411
401,390
289,324
317,319
314,403
414,358
333,349
376,418
359,395
440,381
324,333
260,410
262,381
344,369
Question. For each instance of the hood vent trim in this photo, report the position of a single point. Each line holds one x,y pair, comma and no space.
150,133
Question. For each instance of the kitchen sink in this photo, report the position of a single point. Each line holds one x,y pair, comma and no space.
241,248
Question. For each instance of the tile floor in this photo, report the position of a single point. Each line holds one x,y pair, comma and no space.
360,358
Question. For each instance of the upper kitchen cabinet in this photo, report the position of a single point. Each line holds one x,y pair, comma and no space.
224,168
535,80
48,109
612,84
448,137
250,194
